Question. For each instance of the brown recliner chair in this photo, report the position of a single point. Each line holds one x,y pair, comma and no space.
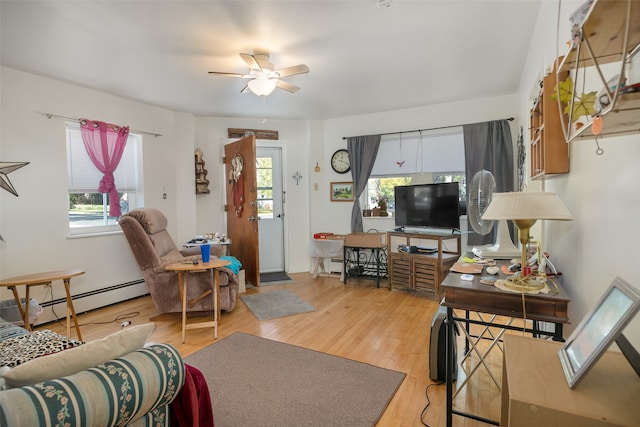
153,248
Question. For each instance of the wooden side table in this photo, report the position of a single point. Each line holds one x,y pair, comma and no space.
183,268
40,279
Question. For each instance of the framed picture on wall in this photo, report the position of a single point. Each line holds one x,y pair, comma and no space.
341,192
598,329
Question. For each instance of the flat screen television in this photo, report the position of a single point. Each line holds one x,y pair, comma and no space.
427,205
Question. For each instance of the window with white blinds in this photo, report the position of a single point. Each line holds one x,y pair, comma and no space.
89,209
414,153
83,175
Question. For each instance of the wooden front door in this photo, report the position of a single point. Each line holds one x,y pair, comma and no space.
242,206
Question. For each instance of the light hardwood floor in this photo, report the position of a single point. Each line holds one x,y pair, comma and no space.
358,321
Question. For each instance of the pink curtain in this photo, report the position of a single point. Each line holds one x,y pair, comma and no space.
105,143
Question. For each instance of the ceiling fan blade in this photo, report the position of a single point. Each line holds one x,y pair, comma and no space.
287,86
292,71
245,89
221,73
264,63
251,61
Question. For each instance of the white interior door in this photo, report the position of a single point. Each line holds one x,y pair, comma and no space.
270,209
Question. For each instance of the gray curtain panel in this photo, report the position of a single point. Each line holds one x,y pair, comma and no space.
489,146
362,155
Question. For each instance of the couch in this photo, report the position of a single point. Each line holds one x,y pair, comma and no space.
153,248
66,388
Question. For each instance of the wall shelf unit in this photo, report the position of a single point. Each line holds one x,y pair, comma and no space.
202,183
549,149
421,272
598,63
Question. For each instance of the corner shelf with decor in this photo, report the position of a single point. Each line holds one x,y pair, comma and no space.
202,183
605,42
548,148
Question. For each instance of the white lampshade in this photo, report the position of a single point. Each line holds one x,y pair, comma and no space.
527,205
524,209
262,86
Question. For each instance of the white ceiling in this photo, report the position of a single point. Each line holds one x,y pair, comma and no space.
362,59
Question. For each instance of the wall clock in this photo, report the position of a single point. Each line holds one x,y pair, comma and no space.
340,161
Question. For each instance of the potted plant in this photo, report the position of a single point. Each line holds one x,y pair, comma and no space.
381,209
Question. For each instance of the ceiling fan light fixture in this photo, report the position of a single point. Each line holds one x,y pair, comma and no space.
262,86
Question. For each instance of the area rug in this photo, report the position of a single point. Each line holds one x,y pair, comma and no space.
255,381
274,304
275,278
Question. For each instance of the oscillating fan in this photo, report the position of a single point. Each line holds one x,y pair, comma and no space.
483,184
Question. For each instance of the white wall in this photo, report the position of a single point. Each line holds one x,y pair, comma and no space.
600,192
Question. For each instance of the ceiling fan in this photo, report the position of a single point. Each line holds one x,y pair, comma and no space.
264,79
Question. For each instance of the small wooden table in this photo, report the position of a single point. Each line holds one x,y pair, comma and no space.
40,279
183,268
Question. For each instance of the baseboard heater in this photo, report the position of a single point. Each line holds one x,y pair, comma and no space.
94,292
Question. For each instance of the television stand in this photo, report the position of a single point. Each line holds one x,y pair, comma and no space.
421,272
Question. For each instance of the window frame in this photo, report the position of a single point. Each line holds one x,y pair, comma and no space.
134,195
420,178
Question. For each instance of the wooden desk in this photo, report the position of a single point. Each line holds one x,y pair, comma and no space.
535,390
40,279
183,268
474,296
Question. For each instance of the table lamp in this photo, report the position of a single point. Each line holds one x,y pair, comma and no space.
524,209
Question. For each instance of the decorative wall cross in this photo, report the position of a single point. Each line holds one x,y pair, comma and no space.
297,177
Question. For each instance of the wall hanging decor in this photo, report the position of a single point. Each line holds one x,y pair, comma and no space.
342,191
297,177
259,133
237,181
5,169
202,183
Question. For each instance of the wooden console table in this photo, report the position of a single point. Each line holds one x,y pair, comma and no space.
183,268
40,279
535,391
477,297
